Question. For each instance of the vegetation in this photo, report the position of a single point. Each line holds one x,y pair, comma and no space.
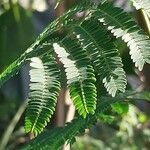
83,41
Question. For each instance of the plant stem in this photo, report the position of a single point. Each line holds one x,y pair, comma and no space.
10,128
146,21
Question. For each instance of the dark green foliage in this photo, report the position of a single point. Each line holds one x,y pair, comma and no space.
103,54
122,25
80,75
85,48
55,138
44,88
47,36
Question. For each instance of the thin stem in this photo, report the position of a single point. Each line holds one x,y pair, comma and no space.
146,21
12,125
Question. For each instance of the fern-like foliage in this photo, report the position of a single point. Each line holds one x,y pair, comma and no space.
54,139
44,88
84,47
122,25
103,53
80,75
48,35
142,4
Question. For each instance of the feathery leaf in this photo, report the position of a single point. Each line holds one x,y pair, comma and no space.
65,20
122,25
44,88
103,53
80,75
54,139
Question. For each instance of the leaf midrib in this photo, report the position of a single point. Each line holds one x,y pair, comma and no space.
97,46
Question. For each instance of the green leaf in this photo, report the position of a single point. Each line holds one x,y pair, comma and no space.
44,89
80,75
105,118
55,138
122,25
120,108
45,36
103,54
